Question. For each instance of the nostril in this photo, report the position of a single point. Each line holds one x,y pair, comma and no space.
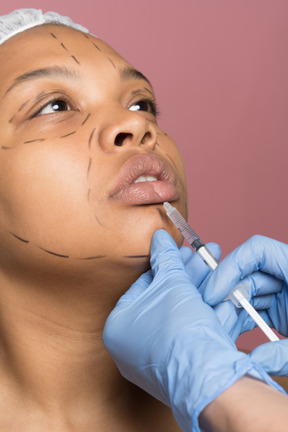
120,138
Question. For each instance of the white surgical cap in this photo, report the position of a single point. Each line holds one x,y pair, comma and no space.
23,19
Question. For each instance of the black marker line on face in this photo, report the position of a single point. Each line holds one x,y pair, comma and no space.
34,140
54,253
19,238
161,213
171,160
88,195
112,63
89,166
93,43
85,120
91,258
136,256
7,148
149,91
11,119
23,105
70,133
75,59
90,138
52,34
96,46
63,46
98,220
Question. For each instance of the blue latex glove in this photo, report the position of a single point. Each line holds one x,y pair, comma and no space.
166,340
273,357
263,263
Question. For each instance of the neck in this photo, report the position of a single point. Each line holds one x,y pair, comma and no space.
51,343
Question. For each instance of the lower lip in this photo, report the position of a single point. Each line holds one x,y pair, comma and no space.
147,193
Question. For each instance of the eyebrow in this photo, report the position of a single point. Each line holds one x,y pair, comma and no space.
126,74
52,71
129,73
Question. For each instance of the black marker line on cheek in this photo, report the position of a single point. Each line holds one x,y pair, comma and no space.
68,134
34,140
85,120
90,138
23,105
89,167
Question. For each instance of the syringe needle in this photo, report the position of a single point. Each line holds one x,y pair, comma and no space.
237,295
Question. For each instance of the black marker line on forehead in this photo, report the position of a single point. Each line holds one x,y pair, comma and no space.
75,59
149,91
112,63
92,42
63,46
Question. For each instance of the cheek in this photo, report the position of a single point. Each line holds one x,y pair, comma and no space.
44,193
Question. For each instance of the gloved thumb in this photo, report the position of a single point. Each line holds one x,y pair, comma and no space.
165,255
273,357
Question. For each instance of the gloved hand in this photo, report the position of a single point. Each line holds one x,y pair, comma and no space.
262,262
195,267
273,357
166,340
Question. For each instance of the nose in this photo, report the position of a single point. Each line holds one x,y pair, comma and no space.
127,128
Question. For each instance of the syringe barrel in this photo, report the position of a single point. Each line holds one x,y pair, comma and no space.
207,257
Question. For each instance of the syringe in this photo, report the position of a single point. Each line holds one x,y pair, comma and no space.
238,294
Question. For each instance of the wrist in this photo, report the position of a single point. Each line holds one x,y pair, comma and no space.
249,404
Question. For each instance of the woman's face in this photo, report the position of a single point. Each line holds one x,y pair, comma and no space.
77,129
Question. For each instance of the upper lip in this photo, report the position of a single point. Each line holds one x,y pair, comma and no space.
143,164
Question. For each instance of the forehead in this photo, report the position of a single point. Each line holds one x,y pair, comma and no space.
45,45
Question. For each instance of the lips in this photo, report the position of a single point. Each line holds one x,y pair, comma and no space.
130,189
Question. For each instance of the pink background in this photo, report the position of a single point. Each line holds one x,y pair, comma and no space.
219,69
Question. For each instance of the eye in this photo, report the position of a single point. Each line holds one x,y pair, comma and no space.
54,106
147,105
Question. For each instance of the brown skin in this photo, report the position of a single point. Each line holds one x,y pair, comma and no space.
54,370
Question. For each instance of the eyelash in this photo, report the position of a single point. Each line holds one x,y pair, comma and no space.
60,98
151,103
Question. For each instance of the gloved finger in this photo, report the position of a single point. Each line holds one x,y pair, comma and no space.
258,253
273,357
195,267
136,289
262,283
165,256
262,302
